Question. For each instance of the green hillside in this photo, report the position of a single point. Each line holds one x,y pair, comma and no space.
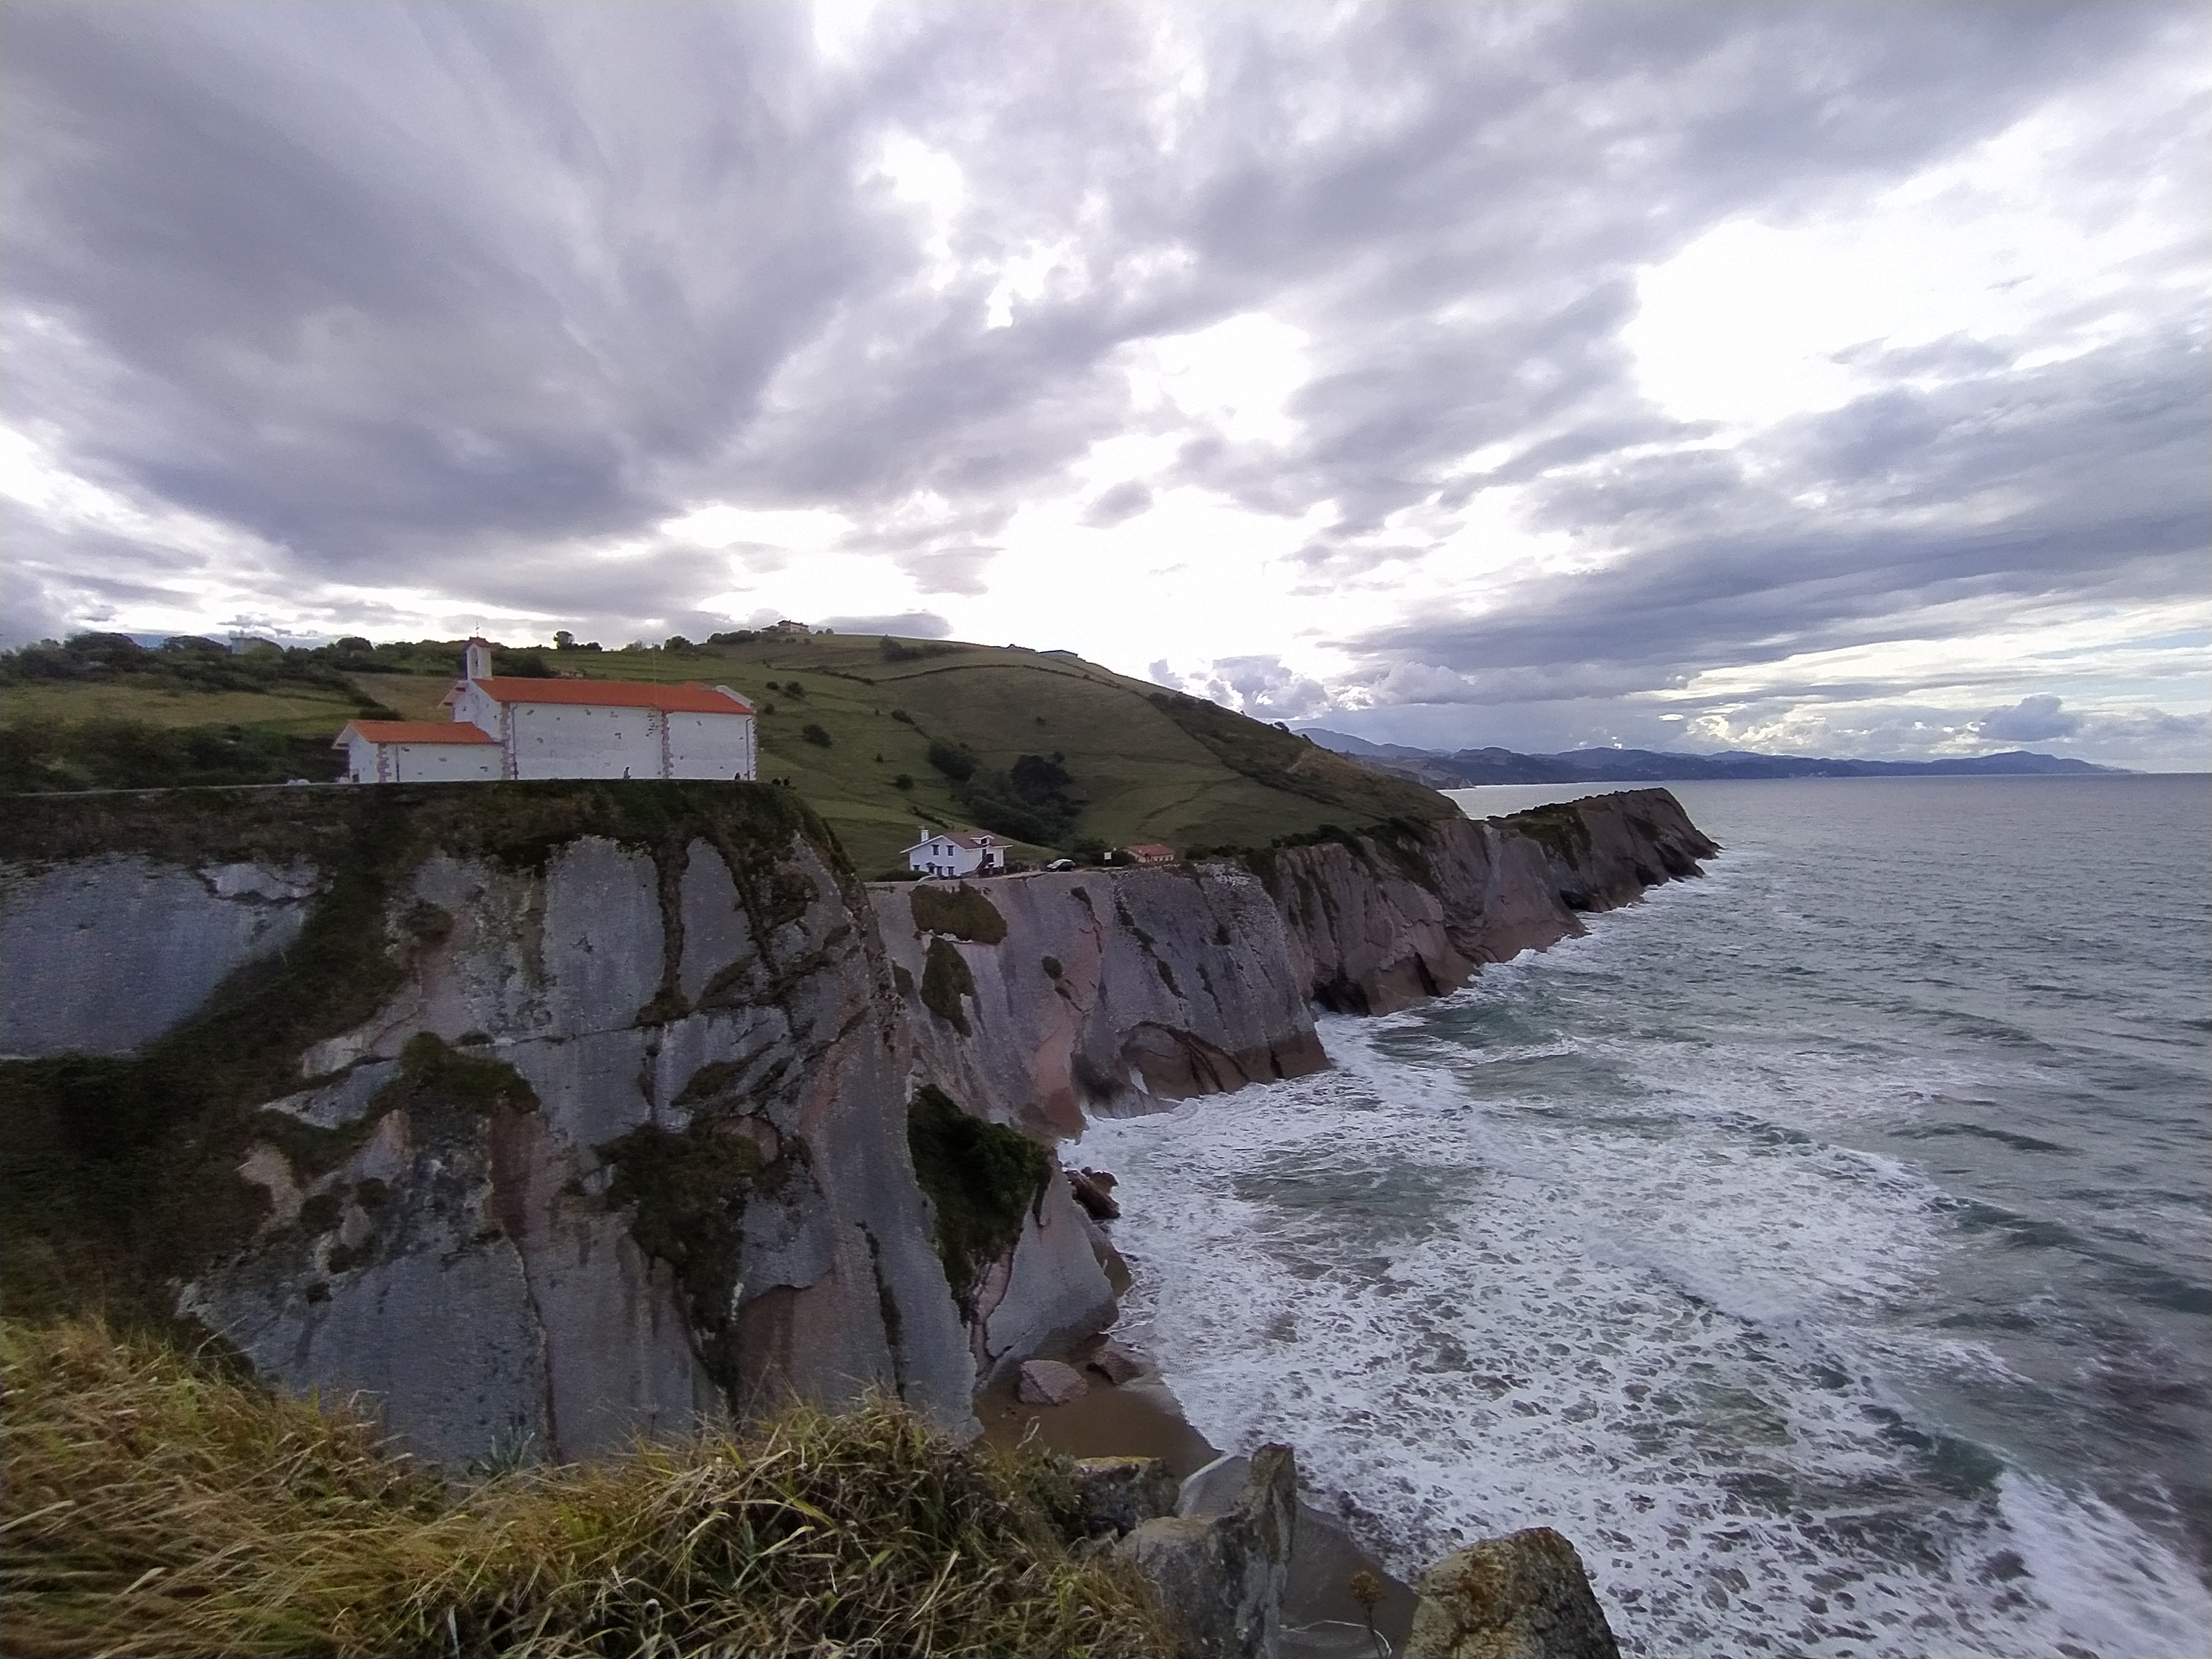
879,735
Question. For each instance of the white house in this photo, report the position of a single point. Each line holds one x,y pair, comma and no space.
510,727
968,852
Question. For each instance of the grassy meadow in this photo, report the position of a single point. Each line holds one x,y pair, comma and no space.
850,721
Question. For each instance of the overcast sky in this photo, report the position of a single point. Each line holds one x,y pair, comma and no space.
1827,378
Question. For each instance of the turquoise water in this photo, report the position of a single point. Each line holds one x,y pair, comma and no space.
1821,1245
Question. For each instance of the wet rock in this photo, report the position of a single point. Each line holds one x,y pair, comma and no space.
1222,1577
1114,1363
1094,1191
1049,1382
1118,1494
1521,1596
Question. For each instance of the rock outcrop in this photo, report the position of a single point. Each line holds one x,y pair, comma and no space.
1222,1576
1378,922
1037,998
165,936
551,1114
1521,1596
612,1134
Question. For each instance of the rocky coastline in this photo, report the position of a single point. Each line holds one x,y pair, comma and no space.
549,1116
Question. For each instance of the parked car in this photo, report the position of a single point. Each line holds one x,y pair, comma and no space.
1061,863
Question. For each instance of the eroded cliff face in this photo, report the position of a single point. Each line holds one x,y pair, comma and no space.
620,1145
1377,923
1037,998
549,1115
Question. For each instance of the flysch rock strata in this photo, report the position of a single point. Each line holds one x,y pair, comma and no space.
1119,991
619,1142
496,1298
101,955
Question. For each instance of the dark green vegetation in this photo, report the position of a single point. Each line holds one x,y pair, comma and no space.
686,1195
961,911
156,1504
120,1174
128,754
981,1180
1043,748
1558,829
944,981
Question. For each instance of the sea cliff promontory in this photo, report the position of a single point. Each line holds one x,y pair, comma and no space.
542,1119
548,1114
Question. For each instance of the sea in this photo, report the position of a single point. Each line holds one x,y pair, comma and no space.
1824,1246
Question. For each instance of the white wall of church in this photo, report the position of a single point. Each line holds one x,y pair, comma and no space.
420,762
568,740
710,745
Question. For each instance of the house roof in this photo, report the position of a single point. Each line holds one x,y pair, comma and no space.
970,838
414,731
616,694
1149,849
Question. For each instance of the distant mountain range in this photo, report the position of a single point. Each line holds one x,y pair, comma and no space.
1469,767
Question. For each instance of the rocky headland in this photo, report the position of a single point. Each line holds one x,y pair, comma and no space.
547,1115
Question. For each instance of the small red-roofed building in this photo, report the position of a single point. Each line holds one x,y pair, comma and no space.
1148,852
514,727
417,751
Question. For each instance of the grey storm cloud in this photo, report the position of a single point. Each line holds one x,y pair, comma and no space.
2083,478
2032,719
437,294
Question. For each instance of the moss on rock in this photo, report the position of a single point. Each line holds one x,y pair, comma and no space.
960,911
686,1195
944,981
120,1174
982,1179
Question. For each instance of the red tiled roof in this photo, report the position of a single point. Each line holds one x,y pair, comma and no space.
1151,851
618,694
417,732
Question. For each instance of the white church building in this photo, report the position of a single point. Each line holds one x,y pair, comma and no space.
506,726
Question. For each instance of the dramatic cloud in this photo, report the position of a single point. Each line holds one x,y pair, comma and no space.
1718,373
2032,719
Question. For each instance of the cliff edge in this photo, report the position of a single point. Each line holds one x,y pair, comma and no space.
549,1115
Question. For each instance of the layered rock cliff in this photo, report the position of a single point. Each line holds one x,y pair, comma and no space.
1041,997
567,1113
551,1114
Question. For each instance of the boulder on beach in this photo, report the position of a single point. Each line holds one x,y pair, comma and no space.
1094,1191
1049,1382
1114,1363
1521,1596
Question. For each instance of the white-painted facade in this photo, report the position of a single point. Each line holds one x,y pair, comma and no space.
391,759
967,852
561,728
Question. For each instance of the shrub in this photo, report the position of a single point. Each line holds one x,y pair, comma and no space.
158,1505
903,780
814,734
954,760
944,981
901,714
981,1179
960,911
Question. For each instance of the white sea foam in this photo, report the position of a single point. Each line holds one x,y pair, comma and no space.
1663,1330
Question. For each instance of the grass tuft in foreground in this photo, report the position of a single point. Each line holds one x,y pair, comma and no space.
157,1505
